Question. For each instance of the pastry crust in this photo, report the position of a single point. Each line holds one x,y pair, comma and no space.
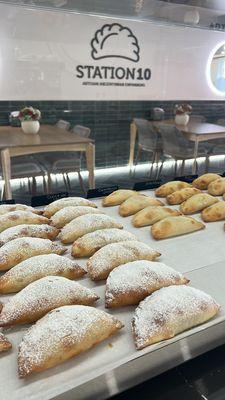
21,217
62,334
130,283
67,214
43,231
4,343
6,208
217,187
175,226
42,296
197,203
203,181
216,212
38,267
170,187
86,224
18,250
88,244
57,205
181,195
151,215
117,197
170,311
136,203
112,255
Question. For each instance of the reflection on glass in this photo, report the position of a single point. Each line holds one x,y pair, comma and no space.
217,70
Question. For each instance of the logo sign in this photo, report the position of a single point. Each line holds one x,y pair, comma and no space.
114,42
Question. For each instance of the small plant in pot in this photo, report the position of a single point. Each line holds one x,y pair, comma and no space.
29,118
182,113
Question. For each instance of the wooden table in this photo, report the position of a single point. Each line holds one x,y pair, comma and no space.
194,131
13,142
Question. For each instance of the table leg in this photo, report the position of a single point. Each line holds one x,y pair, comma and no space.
6,170
90,159
133,134
194,166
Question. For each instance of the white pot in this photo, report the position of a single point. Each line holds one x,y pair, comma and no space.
30,127
182,119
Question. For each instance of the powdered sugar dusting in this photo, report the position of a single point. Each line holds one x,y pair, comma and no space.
42,231
57,205
174,308
67,214
5,208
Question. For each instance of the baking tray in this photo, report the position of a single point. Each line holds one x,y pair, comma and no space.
115,364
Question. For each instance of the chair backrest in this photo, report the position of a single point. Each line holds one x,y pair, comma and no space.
81,130
173,140
221,121
147,135
62,124
197,118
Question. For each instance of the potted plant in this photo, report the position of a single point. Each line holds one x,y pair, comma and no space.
182,112
29,118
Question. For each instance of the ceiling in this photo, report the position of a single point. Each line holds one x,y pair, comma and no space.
198,13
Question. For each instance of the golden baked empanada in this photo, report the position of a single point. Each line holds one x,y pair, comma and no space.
38,267
110,256
130,283
175,226
170,311
181,195
216,212
86,224
197,203
91,242
43,231
170,187
6,208
117,197
67,214
18,250
63,333
136,203
21,217
57,205
42,296
203,181
4,343
217,187
151,215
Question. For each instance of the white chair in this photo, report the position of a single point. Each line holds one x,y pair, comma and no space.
62,124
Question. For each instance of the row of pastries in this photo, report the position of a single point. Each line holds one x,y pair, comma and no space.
43,280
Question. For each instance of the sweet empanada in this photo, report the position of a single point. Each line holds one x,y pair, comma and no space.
63,333
136,203
88,244
18,250
203,181
175,226
38,267
40,231
130,283
110,256
57,205
197,203
21,217
6,208
86,224
170,311
181,195
216,212
67,214
4,343
151,215
117,197
42,296
217,187
167,188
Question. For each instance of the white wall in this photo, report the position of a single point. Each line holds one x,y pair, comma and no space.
40,50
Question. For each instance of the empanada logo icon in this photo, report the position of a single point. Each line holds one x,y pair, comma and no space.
110,39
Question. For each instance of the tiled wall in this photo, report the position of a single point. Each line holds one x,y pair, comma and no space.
109,120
